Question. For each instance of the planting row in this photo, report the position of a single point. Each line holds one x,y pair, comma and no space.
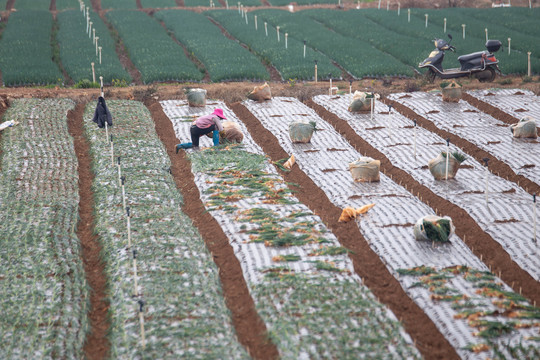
161,276
388,230
299,276
45,298
505,213
482,130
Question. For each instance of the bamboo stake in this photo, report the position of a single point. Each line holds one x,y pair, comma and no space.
350,87
128,218
398,8
255,22
101,86
93,72
119,172
486,30
444,30
100,54
90,31
97,38
447,156
379,7
286,35
106,132
266,28
277,29
528,63
135,281
304,49
112,151
509,45
315,70
372,106
124,198
426,15
93,35
463,26
408,15
141,321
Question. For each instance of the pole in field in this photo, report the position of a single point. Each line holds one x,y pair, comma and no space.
414,137
112,151
246,20
447,156
304,49
128,218
239,7
463,26
528,63
93,73
90,31
277,29
101,86
97,38
124,200
330,90
486,30
398,8
106,132
315,70
266,28
444,30
93,35
119,172
227,4
426,15
135,277
379,7
350,87
486,160
372,105
387,5
408,15
141,321
286,35
509,39
255,22
534,217
99,54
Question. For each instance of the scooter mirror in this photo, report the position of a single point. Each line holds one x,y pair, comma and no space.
450,36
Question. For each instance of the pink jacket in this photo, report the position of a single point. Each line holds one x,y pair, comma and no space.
206,121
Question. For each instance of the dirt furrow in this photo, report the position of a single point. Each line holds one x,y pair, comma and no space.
97,345
366,262
480,242
251,330
495,165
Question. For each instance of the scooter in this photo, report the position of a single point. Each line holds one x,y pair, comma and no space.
482,64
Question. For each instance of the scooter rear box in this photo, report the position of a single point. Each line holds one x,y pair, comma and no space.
493,45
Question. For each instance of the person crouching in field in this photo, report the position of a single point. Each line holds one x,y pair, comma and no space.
202,126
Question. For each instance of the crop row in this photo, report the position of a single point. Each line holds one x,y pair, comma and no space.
223,58
45,298
299,276
153,52
357,56
175,281
25,50
78,51
32,5
289,61
388,232
66,4
118,4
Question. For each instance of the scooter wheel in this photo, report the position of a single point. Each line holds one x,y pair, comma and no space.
487,75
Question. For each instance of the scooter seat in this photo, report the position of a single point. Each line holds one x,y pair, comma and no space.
469,57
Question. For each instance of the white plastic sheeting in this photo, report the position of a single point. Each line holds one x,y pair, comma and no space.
515,102
388,226
507,216
481,129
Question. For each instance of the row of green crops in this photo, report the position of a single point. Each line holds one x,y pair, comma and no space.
323,313
77,51
118,4
224,59
153,52
184,310
45,298
66,4
158,3
290,61
205,3
301,2
25,50
357,56
3,5
32,5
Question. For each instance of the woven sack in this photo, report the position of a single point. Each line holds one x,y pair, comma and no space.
452,93
196,97
525,128
260,93
232,132
361,101
437,167
365,169
434,228
301,131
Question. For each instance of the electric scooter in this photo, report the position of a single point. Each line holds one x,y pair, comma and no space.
482,64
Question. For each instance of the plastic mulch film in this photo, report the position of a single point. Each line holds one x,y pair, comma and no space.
506,216
295,268
43,284
175,271
387,227
516,102
486,132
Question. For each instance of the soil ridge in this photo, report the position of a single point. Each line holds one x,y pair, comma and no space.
97,345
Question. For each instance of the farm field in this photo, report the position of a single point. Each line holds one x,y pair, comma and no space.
118,245
234,47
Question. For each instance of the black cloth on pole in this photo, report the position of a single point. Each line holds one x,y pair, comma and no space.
102,113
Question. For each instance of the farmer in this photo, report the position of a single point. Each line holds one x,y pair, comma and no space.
202,126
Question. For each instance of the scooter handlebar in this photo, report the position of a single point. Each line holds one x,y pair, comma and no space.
452,48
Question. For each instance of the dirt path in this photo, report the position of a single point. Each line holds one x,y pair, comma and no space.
366,262
97,344
480,242
250,329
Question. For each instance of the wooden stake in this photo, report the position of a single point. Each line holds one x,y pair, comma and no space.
141,322
408,15
509,39
93,72
444,29
463,26
528,63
